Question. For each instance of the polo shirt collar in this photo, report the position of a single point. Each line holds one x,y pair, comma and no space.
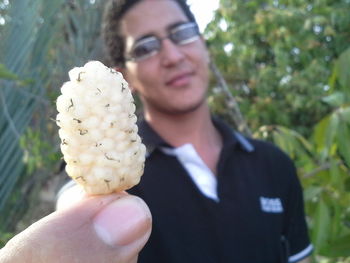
230,137
150,138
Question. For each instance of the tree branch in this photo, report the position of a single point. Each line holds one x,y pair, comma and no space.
321,168
8,117
231,102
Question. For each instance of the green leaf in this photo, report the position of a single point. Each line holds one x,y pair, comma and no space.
321,227
343,68
336,99
312,192
344,142
337,248
320,133
282,140
347,184
6,74
333,79
336,176
324,135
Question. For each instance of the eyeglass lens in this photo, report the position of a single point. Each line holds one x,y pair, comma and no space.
181,35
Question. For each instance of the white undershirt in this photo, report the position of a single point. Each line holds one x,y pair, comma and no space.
199,172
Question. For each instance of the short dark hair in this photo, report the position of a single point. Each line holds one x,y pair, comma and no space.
114,42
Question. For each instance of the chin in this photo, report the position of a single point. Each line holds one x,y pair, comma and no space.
184,108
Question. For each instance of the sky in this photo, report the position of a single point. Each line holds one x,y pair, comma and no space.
203,11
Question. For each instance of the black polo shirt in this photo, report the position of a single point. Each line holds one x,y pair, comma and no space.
259,217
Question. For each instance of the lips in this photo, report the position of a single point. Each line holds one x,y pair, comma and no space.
180,80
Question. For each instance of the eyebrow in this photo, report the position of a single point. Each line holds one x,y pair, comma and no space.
168,28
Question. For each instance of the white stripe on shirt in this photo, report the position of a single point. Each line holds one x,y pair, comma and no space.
199,172
302,254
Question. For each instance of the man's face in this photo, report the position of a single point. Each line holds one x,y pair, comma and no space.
175,80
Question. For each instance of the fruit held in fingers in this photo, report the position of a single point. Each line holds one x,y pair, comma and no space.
97,126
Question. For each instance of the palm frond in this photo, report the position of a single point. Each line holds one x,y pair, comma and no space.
26,38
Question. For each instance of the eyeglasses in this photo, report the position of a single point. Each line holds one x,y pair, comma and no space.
150,46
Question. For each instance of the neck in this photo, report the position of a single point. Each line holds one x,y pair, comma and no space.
178,129
194,127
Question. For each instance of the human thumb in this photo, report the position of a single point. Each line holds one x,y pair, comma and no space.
111,228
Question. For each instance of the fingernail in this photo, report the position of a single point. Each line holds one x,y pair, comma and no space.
123,221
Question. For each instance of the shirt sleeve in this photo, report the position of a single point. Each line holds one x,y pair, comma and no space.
296,232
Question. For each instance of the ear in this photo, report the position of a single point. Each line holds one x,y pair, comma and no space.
126,77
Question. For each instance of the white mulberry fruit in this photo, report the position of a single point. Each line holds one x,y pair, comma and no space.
98,130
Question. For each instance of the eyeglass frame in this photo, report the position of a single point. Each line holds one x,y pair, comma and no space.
159,40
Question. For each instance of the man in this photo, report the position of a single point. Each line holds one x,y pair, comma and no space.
215,196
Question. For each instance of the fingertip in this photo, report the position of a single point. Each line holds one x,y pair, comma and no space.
123,221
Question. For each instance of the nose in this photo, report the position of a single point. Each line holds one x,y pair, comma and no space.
171,54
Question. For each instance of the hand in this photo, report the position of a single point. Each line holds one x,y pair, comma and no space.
111,228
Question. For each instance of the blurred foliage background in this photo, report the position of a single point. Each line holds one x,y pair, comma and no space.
286,64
